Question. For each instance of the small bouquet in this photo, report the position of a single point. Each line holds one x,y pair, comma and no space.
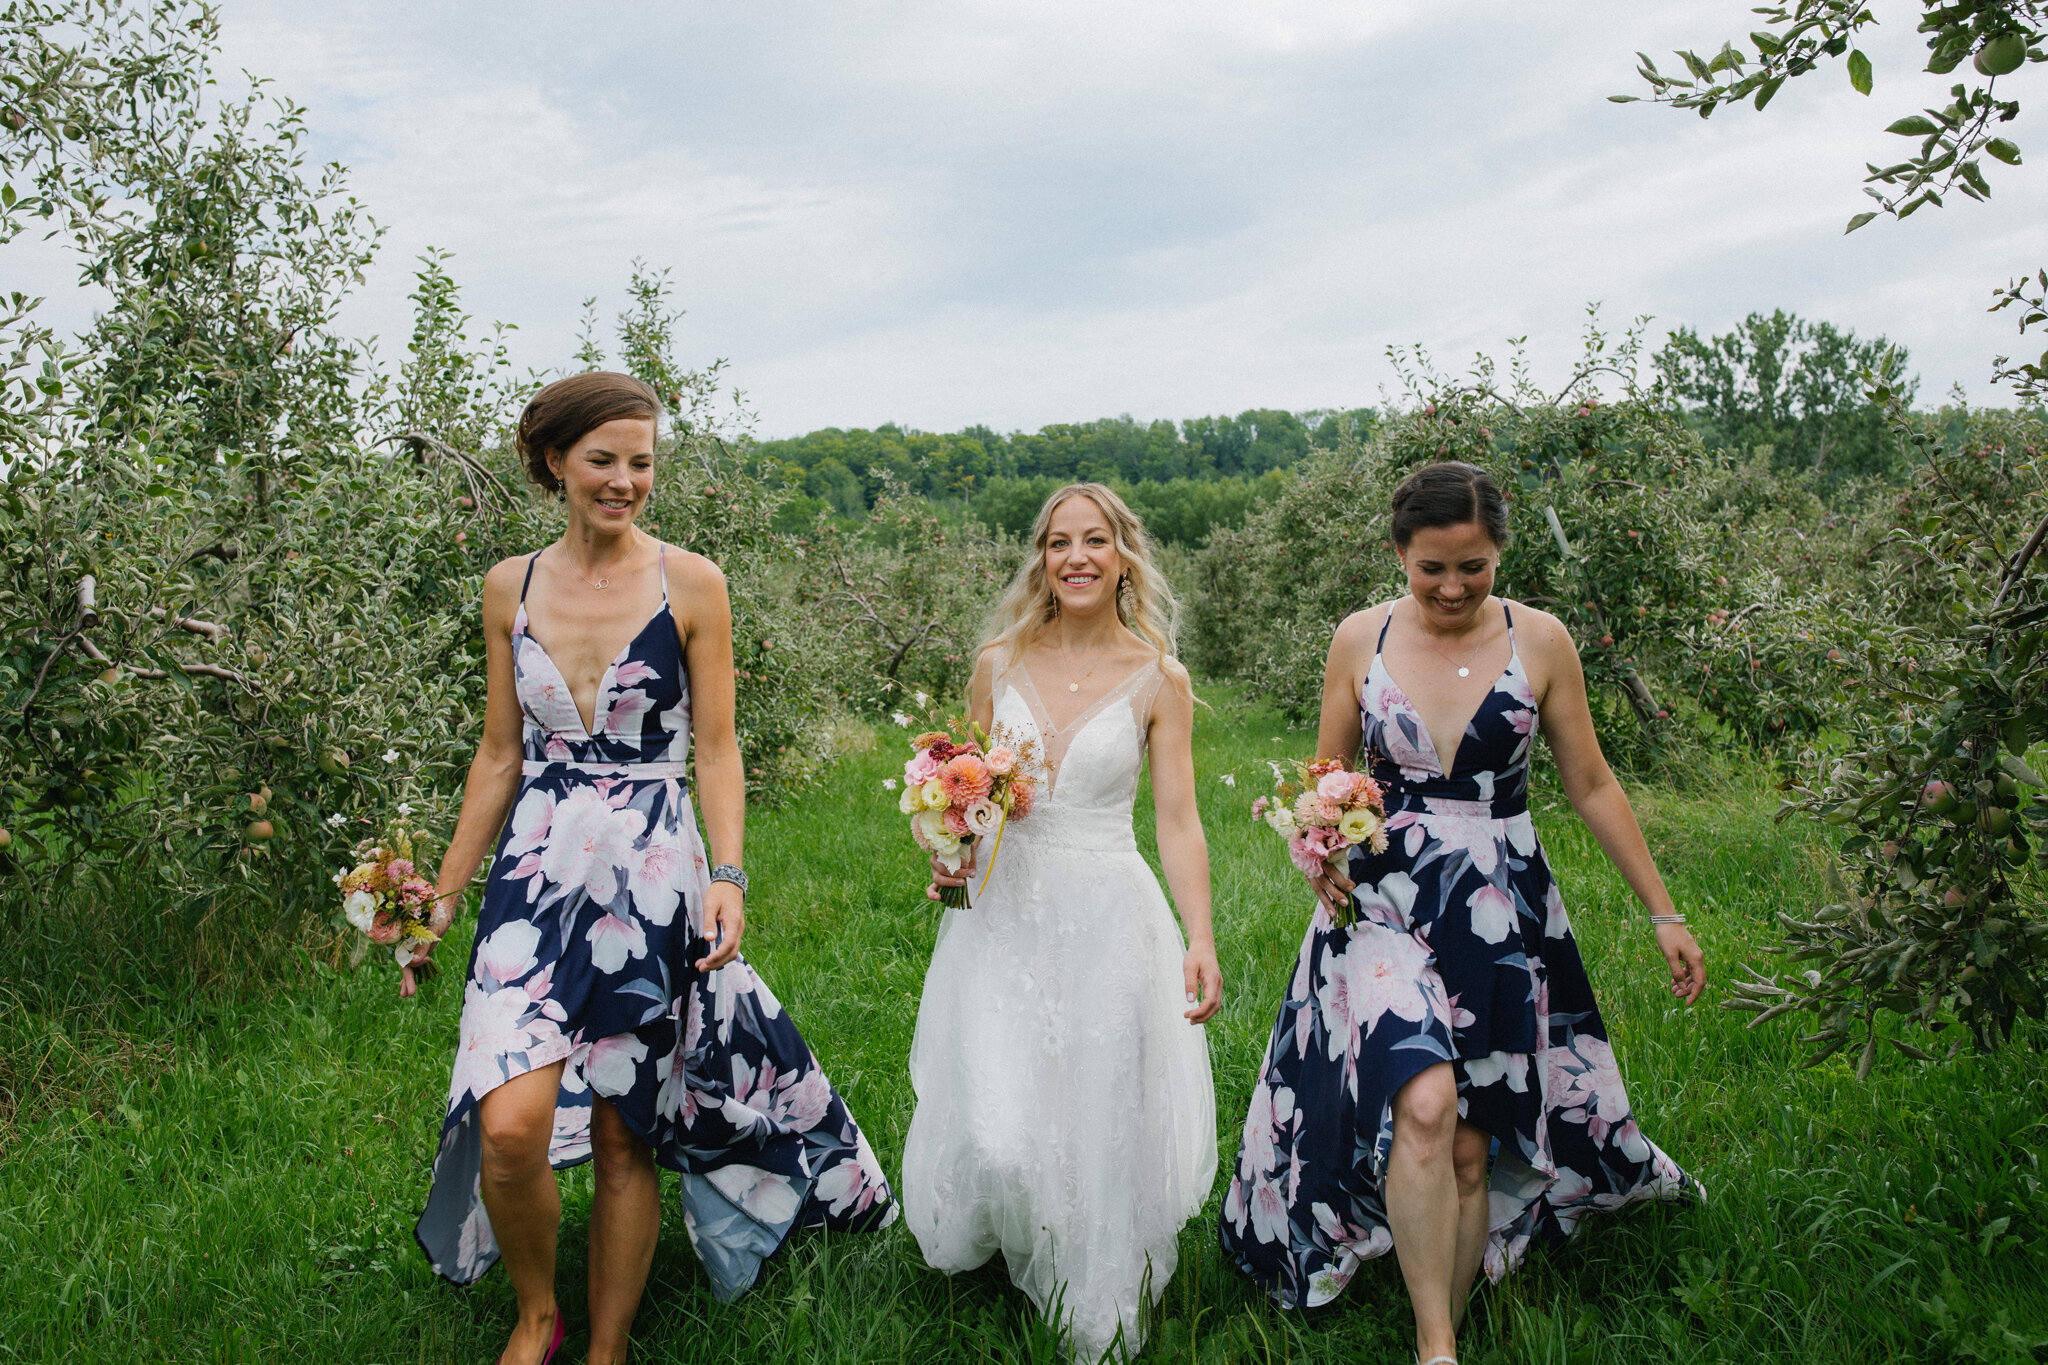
387,900
954,792
1321,809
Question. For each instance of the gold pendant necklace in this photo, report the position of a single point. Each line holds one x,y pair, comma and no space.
1064,658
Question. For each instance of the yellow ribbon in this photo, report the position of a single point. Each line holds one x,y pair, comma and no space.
1001,825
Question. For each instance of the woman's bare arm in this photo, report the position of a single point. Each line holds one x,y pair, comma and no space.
1183,848
493,781
1590,785
1340,733
703,615
981,709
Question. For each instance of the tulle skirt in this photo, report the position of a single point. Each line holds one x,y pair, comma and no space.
1065,1110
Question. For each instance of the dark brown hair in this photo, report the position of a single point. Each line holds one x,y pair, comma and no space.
569,409
1449,493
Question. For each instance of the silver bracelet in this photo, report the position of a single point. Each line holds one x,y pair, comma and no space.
1667,919
726,872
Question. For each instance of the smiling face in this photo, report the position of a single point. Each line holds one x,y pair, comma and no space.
1081,559
607,475
1450,572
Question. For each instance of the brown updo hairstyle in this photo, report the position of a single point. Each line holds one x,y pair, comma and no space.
1449,493
569,409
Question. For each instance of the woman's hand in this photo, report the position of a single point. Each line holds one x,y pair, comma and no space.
725,919
1332,886
941,877
1688,963
443,915
1204,980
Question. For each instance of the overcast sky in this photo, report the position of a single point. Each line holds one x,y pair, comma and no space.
1051,210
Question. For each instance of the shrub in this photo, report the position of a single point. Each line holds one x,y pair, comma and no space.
1938,913
903,596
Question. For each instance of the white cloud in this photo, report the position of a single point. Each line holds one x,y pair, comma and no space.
1023,211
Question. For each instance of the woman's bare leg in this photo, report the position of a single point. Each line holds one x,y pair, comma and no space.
1468,1166
518,1120
625,1219
1422,1204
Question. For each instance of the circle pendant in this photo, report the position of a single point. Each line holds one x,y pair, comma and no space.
602,583
1464,672
1073,687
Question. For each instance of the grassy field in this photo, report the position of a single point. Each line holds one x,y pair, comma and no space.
234,1177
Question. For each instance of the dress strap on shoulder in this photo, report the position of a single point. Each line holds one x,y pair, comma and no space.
1509,617
1380,645
527,582
661,564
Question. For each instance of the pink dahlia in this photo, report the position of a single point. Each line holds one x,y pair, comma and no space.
965,780
1023,791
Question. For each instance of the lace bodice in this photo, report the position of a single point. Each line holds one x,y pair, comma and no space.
1094,760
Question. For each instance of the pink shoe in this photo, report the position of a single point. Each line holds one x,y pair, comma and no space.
553,1346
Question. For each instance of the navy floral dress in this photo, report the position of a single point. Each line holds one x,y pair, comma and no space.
1461,952
584,950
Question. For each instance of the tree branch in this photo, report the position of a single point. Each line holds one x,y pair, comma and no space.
209,629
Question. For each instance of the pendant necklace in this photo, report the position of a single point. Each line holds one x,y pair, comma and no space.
1076,686
1463,670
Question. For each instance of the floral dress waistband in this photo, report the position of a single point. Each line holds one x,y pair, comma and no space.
1486,796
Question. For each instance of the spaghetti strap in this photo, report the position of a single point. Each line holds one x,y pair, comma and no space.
527,582
1509,617
1380,645
661,565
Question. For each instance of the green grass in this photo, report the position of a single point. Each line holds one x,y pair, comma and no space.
233,1176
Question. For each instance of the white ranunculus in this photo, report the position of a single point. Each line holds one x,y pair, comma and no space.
361,909
1282,820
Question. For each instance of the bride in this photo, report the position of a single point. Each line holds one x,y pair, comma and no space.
1065,1115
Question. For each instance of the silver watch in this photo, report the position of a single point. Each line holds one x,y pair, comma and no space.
726,872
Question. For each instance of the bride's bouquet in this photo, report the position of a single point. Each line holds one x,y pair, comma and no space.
386,899
955,791
1321,809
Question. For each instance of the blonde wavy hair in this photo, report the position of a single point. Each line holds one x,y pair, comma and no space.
1144,601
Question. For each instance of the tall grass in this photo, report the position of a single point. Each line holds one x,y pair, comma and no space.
232,1175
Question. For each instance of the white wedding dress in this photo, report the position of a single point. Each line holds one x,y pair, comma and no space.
1065,1111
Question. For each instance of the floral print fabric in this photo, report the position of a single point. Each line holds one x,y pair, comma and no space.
1461,952
584,953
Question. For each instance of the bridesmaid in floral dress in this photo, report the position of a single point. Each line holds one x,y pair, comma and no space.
607,1013
1454,1016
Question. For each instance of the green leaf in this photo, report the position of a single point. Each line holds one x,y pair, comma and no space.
1858,221
2003,150
1859,72
1624,99
1768,89
1914,125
